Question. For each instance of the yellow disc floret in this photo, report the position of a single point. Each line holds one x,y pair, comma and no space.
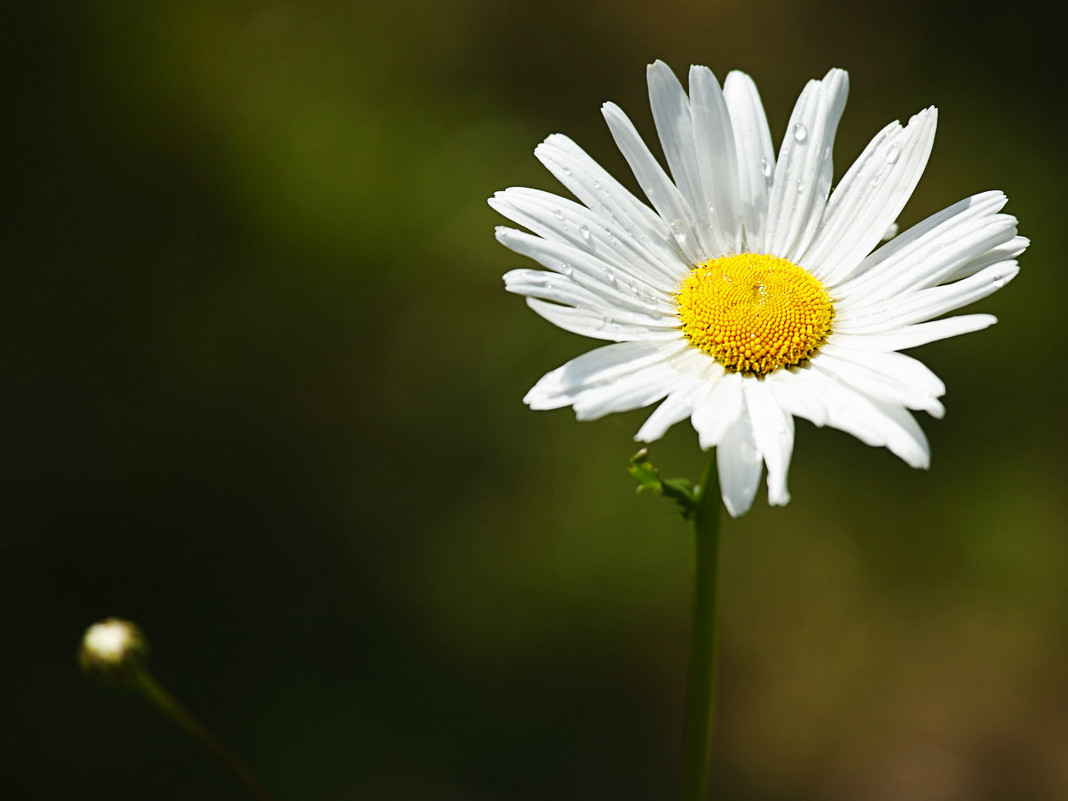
753,313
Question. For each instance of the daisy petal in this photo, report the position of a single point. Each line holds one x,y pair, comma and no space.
594,186
954,236
556,219
572,291
598,368
804,169
773,433
912,336
675,127
879,384
756,156
897,366
589,271
996,255
874,423
870,197
800,392
717,161
717,410
739,464
595,325
917,307
662,193
676,407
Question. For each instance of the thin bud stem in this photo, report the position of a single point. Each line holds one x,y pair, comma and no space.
169,705
116,649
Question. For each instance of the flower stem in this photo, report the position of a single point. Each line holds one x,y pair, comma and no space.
169,705
700,694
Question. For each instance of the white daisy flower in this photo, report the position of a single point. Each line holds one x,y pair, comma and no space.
752,294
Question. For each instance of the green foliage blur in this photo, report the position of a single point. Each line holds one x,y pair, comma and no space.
261,393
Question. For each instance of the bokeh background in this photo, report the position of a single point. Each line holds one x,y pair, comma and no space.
261,394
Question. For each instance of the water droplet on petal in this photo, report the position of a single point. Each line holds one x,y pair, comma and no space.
999,281
566,170
584,231
766,167
678,230
800,186
558,214
893,153
800,132
596,184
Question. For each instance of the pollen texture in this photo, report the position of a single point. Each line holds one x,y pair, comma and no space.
754,314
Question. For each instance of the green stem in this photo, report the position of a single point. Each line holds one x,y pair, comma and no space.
169,705
700,695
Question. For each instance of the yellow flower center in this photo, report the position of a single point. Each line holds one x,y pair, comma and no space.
753,313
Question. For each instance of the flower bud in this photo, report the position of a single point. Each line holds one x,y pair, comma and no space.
112,648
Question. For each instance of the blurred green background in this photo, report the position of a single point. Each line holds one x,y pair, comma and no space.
261,394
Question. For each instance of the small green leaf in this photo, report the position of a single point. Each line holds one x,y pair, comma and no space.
679,490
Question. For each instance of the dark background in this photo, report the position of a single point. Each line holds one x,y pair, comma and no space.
261,394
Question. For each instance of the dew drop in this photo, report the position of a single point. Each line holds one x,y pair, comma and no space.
765,168
558,214
565,268
893,153
596,184
566,170
678,230
584,231
999,281
800,186
800,132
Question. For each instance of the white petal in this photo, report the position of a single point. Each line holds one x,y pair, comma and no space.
676,407
674,126
804,169
662,193
922,252
996,255
773,433
739,466
717,411
876,381
870,197
633,391
800,393
932,267
916,307
912,336
563,289
717,161
872,422
598,368
615,327
557,219
897,366
595,187
590,272
756,156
